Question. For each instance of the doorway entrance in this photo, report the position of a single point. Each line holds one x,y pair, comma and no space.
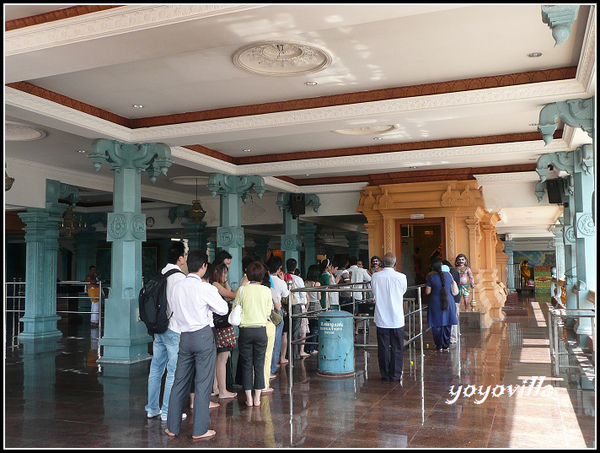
421,240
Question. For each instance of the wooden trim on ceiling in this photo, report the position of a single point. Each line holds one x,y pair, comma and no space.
60,99
428,89
309,103
409,176
58,14
378,149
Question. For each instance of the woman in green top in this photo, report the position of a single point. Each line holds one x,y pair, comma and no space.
328,277
252,342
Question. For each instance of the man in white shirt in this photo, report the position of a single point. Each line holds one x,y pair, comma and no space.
166,345
389,287
193,303
358,275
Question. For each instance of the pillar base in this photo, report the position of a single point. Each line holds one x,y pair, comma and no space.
40,328
124,351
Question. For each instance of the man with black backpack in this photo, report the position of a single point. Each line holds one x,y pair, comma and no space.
166,345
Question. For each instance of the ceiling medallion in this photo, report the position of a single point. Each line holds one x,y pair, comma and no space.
368,130
282,58
19,132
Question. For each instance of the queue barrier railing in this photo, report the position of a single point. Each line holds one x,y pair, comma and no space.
413,313
15,306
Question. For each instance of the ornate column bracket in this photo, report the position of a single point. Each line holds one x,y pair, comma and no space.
312,200
153,158
559,19
240,185
574,112
562,161
283,201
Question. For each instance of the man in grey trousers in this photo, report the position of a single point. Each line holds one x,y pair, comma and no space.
194,302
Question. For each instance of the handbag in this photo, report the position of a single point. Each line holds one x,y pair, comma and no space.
220,321
235,317
275,318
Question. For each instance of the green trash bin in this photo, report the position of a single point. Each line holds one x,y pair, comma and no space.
336,344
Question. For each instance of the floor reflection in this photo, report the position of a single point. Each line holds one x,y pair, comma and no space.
57,396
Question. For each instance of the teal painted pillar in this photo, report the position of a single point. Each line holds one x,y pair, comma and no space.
261,246
125,339
579,228
41,229
353,239
196,235
570,256
559,250
291,241
211,251
309,232
41,238
230,235
509,247
585,236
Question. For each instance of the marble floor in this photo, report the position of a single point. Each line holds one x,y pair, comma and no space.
496,389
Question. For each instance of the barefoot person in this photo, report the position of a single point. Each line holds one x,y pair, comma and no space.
466,278
194,302
256,300
389,287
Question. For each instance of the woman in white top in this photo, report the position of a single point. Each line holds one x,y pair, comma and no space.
314,304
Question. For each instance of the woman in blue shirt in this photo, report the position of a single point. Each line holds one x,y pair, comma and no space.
441,313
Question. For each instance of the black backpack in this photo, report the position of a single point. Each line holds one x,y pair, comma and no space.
153,303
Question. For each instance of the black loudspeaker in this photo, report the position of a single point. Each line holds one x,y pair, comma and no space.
297,205
556,194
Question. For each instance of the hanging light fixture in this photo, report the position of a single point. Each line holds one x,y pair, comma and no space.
8,181
71,223
197,212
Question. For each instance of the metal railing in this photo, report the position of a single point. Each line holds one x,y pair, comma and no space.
556,333
413,314
15,307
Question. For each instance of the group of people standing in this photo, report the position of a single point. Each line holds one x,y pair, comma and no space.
195,351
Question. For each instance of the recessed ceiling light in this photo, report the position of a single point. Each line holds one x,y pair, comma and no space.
377,138
82,151
138,106
311,84
308,174
247,150
413,168
535,54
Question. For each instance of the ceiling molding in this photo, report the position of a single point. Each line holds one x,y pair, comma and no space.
402,160
51,16
483,86
103,23
429,89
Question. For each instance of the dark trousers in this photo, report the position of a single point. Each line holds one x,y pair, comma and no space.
252,346
441,336
390,353
296,324
197,351
313,325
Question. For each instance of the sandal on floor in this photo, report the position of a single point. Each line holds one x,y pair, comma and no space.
207,435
